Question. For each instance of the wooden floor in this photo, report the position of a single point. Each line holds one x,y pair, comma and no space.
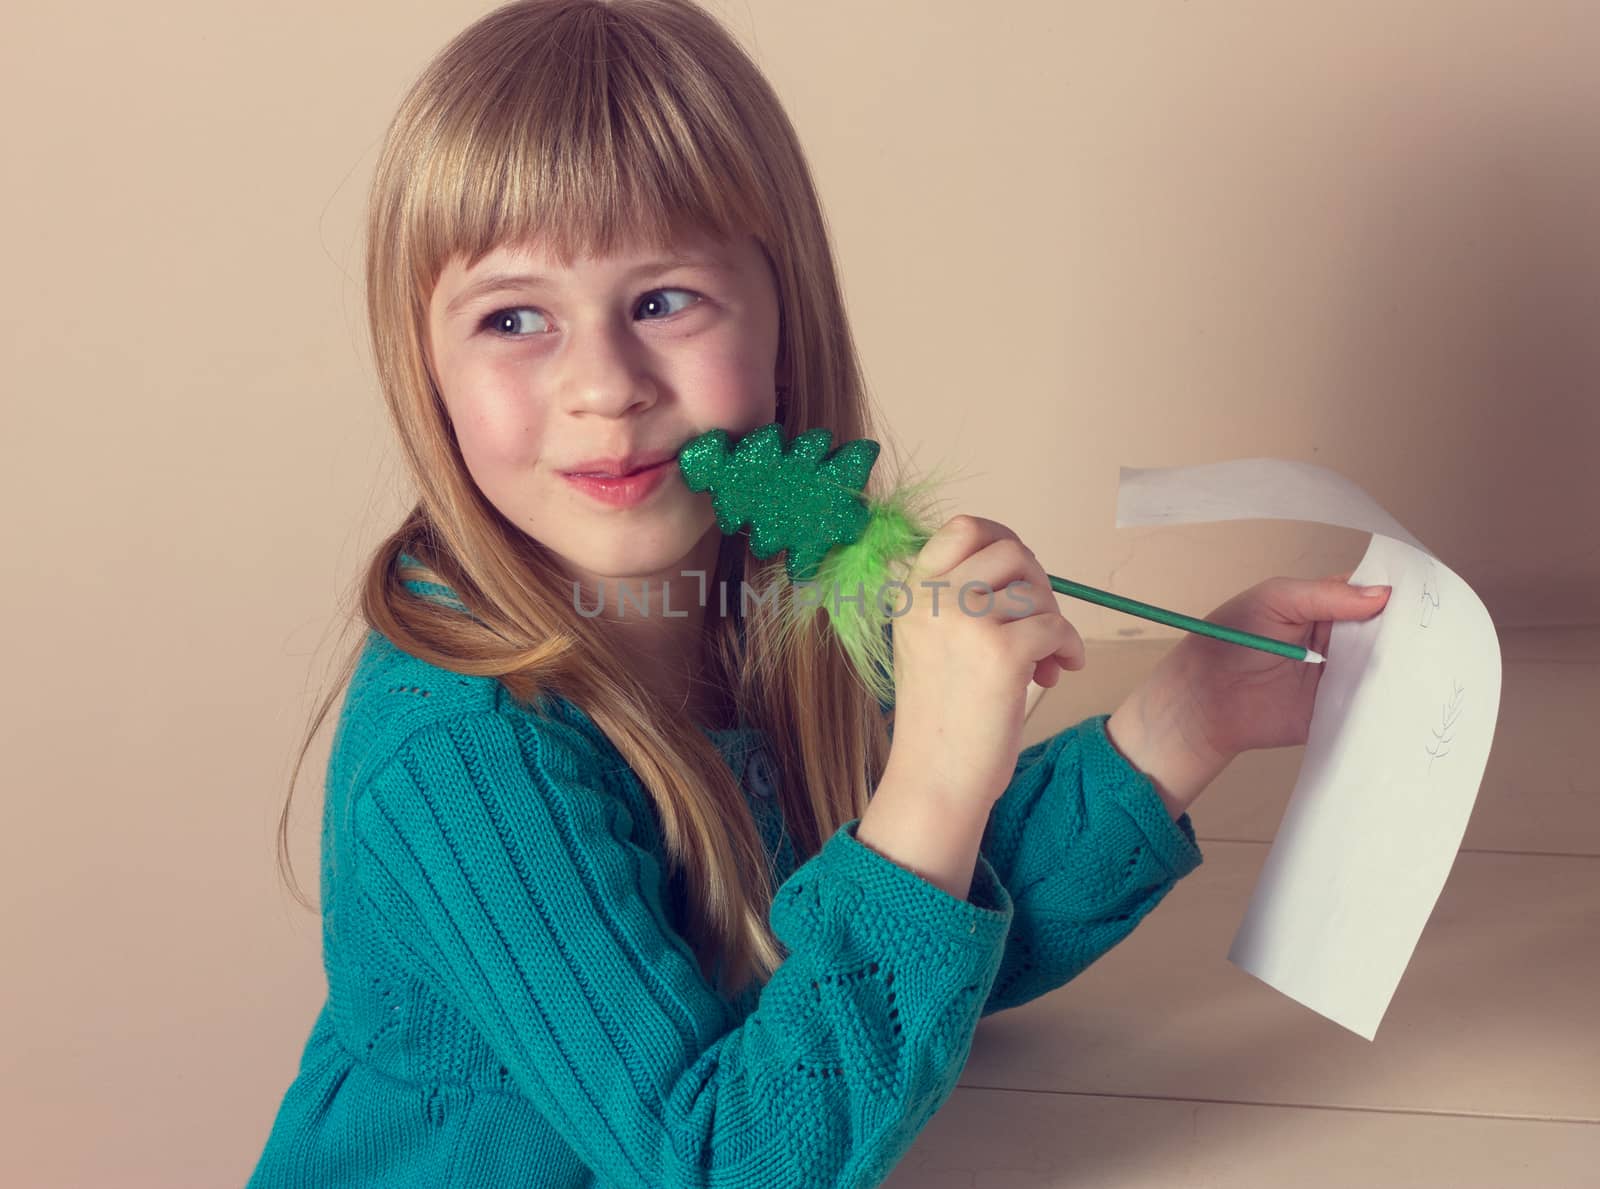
1163,1065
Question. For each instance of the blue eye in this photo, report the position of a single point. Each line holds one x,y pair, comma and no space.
653,292
497,320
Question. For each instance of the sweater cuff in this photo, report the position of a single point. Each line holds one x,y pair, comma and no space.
980,922
1172,841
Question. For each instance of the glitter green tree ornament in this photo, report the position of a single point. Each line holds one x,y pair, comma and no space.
841,546
793,498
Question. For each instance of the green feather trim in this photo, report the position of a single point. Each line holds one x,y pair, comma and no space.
853,583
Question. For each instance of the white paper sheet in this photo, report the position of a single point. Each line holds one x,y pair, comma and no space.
1400,736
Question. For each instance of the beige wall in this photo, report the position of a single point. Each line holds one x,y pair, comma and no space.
1073,236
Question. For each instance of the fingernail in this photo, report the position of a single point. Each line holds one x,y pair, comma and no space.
1373,592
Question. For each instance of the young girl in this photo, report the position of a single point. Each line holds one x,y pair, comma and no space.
616,898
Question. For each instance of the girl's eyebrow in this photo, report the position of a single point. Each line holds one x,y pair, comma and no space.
498,281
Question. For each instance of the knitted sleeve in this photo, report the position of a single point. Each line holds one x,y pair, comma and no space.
1086,848
506,874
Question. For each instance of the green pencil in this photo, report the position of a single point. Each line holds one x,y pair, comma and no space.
1188,623
812,506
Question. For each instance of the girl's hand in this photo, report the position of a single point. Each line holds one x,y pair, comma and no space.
1242,698
961,675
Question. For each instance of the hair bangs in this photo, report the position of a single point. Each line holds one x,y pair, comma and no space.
585,143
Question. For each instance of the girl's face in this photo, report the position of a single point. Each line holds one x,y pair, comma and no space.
543,370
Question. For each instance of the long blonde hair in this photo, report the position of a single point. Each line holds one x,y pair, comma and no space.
585,124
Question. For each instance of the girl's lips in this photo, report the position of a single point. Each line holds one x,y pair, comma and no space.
604,475
626,490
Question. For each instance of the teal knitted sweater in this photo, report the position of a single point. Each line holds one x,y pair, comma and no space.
511,1002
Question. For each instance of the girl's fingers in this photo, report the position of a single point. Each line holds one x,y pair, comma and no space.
1320,635
1344,602
957,540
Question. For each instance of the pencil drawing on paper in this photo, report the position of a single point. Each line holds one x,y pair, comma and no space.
1430,594
1442,735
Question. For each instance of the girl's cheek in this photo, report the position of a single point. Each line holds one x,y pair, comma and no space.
741,396
498,432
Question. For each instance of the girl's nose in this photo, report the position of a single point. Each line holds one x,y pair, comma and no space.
605,372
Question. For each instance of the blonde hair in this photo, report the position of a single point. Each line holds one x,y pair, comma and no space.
588,124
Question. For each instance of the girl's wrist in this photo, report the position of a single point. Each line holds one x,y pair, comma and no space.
1155,730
